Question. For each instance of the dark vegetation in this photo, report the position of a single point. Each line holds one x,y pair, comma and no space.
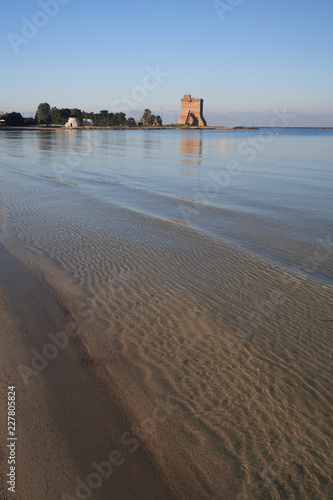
46,116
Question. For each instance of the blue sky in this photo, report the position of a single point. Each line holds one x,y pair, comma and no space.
243,57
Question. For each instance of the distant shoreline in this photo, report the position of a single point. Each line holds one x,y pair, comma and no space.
166,127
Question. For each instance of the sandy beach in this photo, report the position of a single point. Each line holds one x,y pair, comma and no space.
67,419
82,411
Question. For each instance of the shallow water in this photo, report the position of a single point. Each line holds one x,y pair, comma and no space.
227,311
268,193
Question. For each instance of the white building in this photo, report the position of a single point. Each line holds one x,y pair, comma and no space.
87,122
73,123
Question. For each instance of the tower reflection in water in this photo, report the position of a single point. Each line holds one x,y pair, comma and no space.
190,153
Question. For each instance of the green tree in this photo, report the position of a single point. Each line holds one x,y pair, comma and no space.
28,122
55,116
131,122
146,115
104,119
76,113
65,113
43,114
151,119
13,119
120,118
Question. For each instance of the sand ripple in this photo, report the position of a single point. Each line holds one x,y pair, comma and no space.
241,346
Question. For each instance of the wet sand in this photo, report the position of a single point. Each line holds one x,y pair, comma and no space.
246,414
67,418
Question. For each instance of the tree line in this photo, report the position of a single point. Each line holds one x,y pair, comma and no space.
17,120
45,115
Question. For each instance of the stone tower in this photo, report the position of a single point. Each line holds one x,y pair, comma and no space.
192,112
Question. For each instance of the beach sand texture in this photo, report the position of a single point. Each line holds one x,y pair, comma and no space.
241,349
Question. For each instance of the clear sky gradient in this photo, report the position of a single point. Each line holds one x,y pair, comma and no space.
243,57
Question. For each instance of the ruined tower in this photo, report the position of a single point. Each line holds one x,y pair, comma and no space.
192,112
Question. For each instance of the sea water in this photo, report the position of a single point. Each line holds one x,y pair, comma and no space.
199,266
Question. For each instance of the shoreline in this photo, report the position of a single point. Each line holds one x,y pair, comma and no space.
47,129
166,127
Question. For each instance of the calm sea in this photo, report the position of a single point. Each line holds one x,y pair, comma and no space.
199,268
267,191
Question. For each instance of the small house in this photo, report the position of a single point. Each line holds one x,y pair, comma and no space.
73,123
